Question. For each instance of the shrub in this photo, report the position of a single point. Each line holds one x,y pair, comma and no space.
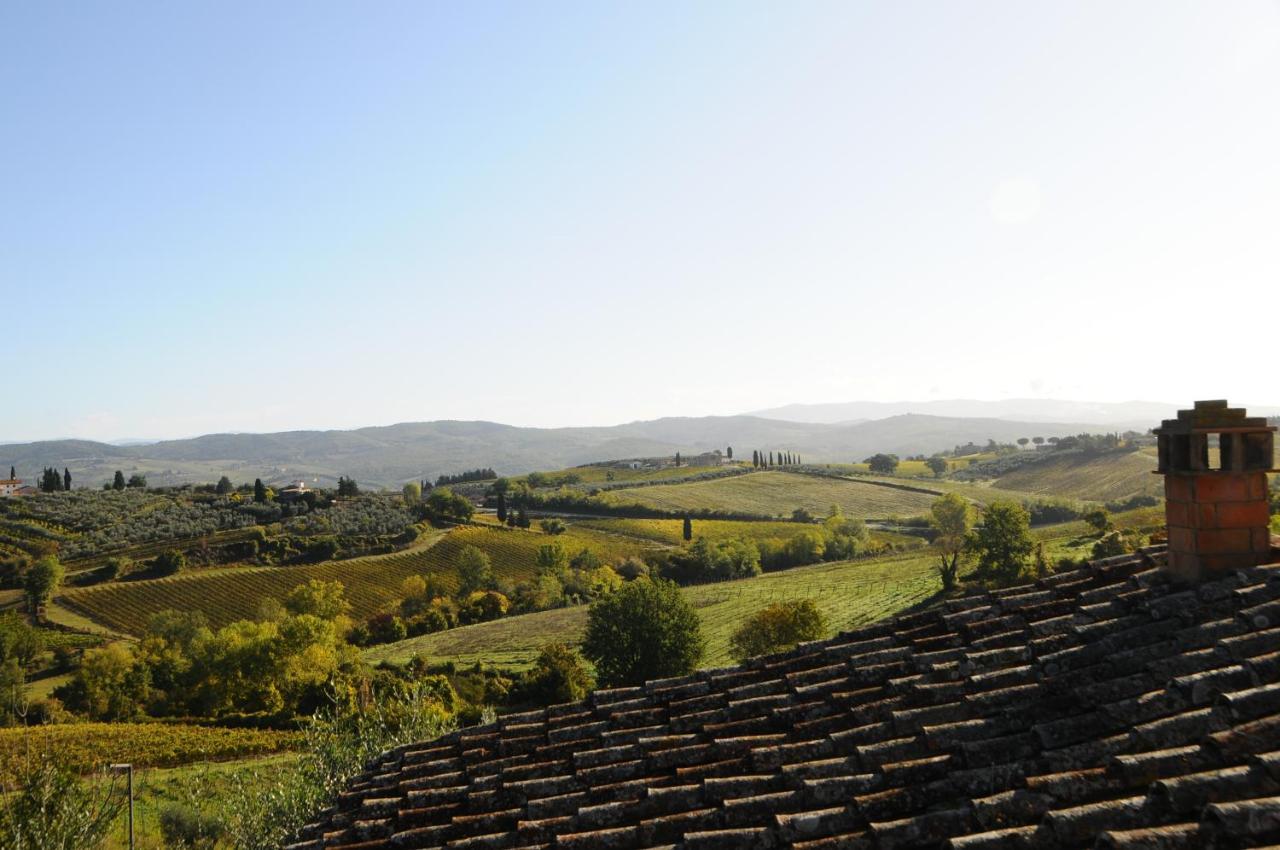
169,563
185,827
385,628
646,630
558,676
777,627
553,526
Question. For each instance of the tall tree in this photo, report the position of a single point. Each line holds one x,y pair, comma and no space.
502,507
677,458
13,474
729,453
644,630
66,478
688,529
755,457
118,482
952,518
259,490
224,486
1003,542
770,458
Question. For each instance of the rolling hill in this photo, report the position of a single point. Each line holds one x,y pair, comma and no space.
390,455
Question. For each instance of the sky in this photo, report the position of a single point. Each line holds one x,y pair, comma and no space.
258,217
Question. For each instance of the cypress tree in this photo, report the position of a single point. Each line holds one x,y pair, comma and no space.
117,483
502,507
730,453
688,529
66,478
523,519
677,458
259,490
771,458
13,474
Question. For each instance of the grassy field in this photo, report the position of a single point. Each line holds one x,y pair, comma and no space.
1098,478
777,494
371,584
204,786
609,474
850,593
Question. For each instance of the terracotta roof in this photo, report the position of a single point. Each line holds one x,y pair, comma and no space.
1103,706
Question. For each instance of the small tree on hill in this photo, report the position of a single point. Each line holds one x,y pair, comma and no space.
778,627
137,481
259,490
475,572
118,482
937,465
1022,441
224,486
952,518
1099,520
1039,441
412,493
645,630
885,464
1003,541
554,525
42,580
687,531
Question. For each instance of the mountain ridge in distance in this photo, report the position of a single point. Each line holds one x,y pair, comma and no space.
1138,415
389,455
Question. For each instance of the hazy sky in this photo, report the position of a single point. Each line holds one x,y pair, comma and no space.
266,216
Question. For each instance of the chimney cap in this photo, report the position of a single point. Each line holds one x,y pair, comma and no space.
1214,416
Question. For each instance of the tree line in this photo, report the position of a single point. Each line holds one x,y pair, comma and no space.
765,460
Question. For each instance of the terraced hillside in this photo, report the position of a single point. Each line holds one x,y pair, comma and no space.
225,595
776,494
850,593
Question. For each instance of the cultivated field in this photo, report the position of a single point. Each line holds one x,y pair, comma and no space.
90,746
671,531
371,584
778,494
1114,475
850,593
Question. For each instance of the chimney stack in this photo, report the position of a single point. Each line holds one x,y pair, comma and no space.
1218,514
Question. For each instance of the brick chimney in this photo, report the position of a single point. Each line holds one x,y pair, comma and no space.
1218,515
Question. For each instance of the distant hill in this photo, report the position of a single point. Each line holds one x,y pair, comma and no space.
390,455
1138,415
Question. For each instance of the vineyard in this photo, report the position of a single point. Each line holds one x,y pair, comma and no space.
777,494
90,746
371,584
850,593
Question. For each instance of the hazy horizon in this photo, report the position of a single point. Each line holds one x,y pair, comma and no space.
255,219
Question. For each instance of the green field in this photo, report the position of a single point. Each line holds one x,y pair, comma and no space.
371,584
611,474
778,494
850,593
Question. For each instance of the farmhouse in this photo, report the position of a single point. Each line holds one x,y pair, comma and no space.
714,458
10,487
1130,703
